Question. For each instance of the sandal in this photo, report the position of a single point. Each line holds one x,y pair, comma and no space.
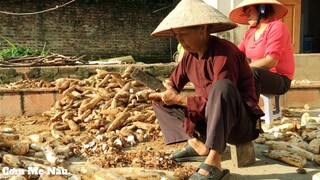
188,154
214,173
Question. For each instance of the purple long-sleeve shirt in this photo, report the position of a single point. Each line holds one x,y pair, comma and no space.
222,60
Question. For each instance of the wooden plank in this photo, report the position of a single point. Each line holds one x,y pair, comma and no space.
243,155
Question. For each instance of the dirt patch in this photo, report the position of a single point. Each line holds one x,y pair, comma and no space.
26,125
263,168
143,158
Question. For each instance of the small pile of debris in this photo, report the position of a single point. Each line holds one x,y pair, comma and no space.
49,60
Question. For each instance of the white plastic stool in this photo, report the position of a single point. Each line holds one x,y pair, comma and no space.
270,114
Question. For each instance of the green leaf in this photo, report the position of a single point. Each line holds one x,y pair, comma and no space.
18,51
8,42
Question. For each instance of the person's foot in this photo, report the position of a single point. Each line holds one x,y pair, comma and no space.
213,159
213,173
193,151
198,146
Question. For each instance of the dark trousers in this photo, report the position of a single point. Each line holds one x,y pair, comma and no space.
267,82
227,120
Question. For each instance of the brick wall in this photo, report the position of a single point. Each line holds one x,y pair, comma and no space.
103,30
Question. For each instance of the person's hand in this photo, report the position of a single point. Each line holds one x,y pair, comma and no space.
156,98
168,97
160,97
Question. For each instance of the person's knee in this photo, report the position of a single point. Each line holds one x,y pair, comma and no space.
223,84
255,72
223,87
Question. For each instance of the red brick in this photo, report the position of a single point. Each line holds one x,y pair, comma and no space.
10,104
37,103
99,31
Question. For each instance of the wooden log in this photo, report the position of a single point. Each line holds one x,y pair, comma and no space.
287,157
283,128
298,141
309,136
89,171
243,155
280,145
274,136
314,146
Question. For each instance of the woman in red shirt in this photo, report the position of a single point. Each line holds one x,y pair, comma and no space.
267,44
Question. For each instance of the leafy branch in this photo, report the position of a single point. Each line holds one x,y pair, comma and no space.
18,51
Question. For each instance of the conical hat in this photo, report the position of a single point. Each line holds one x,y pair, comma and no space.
190,13
237,15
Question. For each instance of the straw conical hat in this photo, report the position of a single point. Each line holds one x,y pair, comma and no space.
190,13
237,15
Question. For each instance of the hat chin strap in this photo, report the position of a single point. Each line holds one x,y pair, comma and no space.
262,10
258,20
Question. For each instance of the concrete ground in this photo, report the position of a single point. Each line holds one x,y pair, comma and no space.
266,168
263,168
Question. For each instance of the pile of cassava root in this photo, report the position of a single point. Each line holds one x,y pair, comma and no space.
28,84
101,117
96,119
293,142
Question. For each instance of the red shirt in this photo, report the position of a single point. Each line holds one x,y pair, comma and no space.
222,60
275,41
